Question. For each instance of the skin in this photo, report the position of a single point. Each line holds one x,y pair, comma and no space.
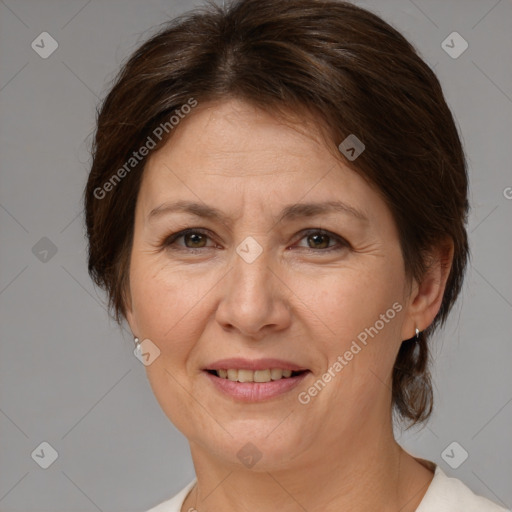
297,301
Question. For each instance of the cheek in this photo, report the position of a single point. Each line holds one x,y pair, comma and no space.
154,299
350,302
159,299
165,309
362,312
169,305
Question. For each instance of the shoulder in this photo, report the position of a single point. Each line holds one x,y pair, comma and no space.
446,494
175,503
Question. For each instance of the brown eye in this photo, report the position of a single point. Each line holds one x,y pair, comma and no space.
192,239
323,241
196,240
319,241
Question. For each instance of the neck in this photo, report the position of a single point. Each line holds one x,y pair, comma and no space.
367,472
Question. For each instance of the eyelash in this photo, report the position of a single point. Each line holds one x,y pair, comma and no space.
171,239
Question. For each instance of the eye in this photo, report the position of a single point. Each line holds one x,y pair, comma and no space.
319,239
193,239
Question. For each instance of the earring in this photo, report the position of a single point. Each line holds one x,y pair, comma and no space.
417,334
137,345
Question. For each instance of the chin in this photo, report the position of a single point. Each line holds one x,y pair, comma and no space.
257,445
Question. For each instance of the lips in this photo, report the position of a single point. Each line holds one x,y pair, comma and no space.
254,380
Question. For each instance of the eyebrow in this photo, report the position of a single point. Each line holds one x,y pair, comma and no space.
292,211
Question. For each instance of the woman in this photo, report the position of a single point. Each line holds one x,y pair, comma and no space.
277,207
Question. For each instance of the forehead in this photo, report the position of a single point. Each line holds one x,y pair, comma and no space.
235,131
233,153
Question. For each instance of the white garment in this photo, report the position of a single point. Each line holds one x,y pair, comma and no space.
444,494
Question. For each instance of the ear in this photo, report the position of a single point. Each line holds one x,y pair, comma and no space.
427,294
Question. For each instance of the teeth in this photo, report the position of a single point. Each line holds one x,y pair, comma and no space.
245,376
262,376
254,376
276,373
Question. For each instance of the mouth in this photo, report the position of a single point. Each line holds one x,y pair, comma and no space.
259,376
254,381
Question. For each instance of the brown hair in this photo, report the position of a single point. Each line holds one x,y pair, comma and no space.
354,71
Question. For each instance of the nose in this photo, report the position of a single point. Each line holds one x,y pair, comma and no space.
255,298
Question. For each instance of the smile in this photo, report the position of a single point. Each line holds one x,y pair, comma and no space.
254,381
242,375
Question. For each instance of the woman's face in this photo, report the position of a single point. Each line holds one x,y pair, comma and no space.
318,289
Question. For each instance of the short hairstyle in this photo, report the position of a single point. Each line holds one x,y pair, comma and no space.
354,72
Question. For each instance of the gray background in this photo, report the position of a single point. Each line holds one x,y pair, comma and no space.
68,375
